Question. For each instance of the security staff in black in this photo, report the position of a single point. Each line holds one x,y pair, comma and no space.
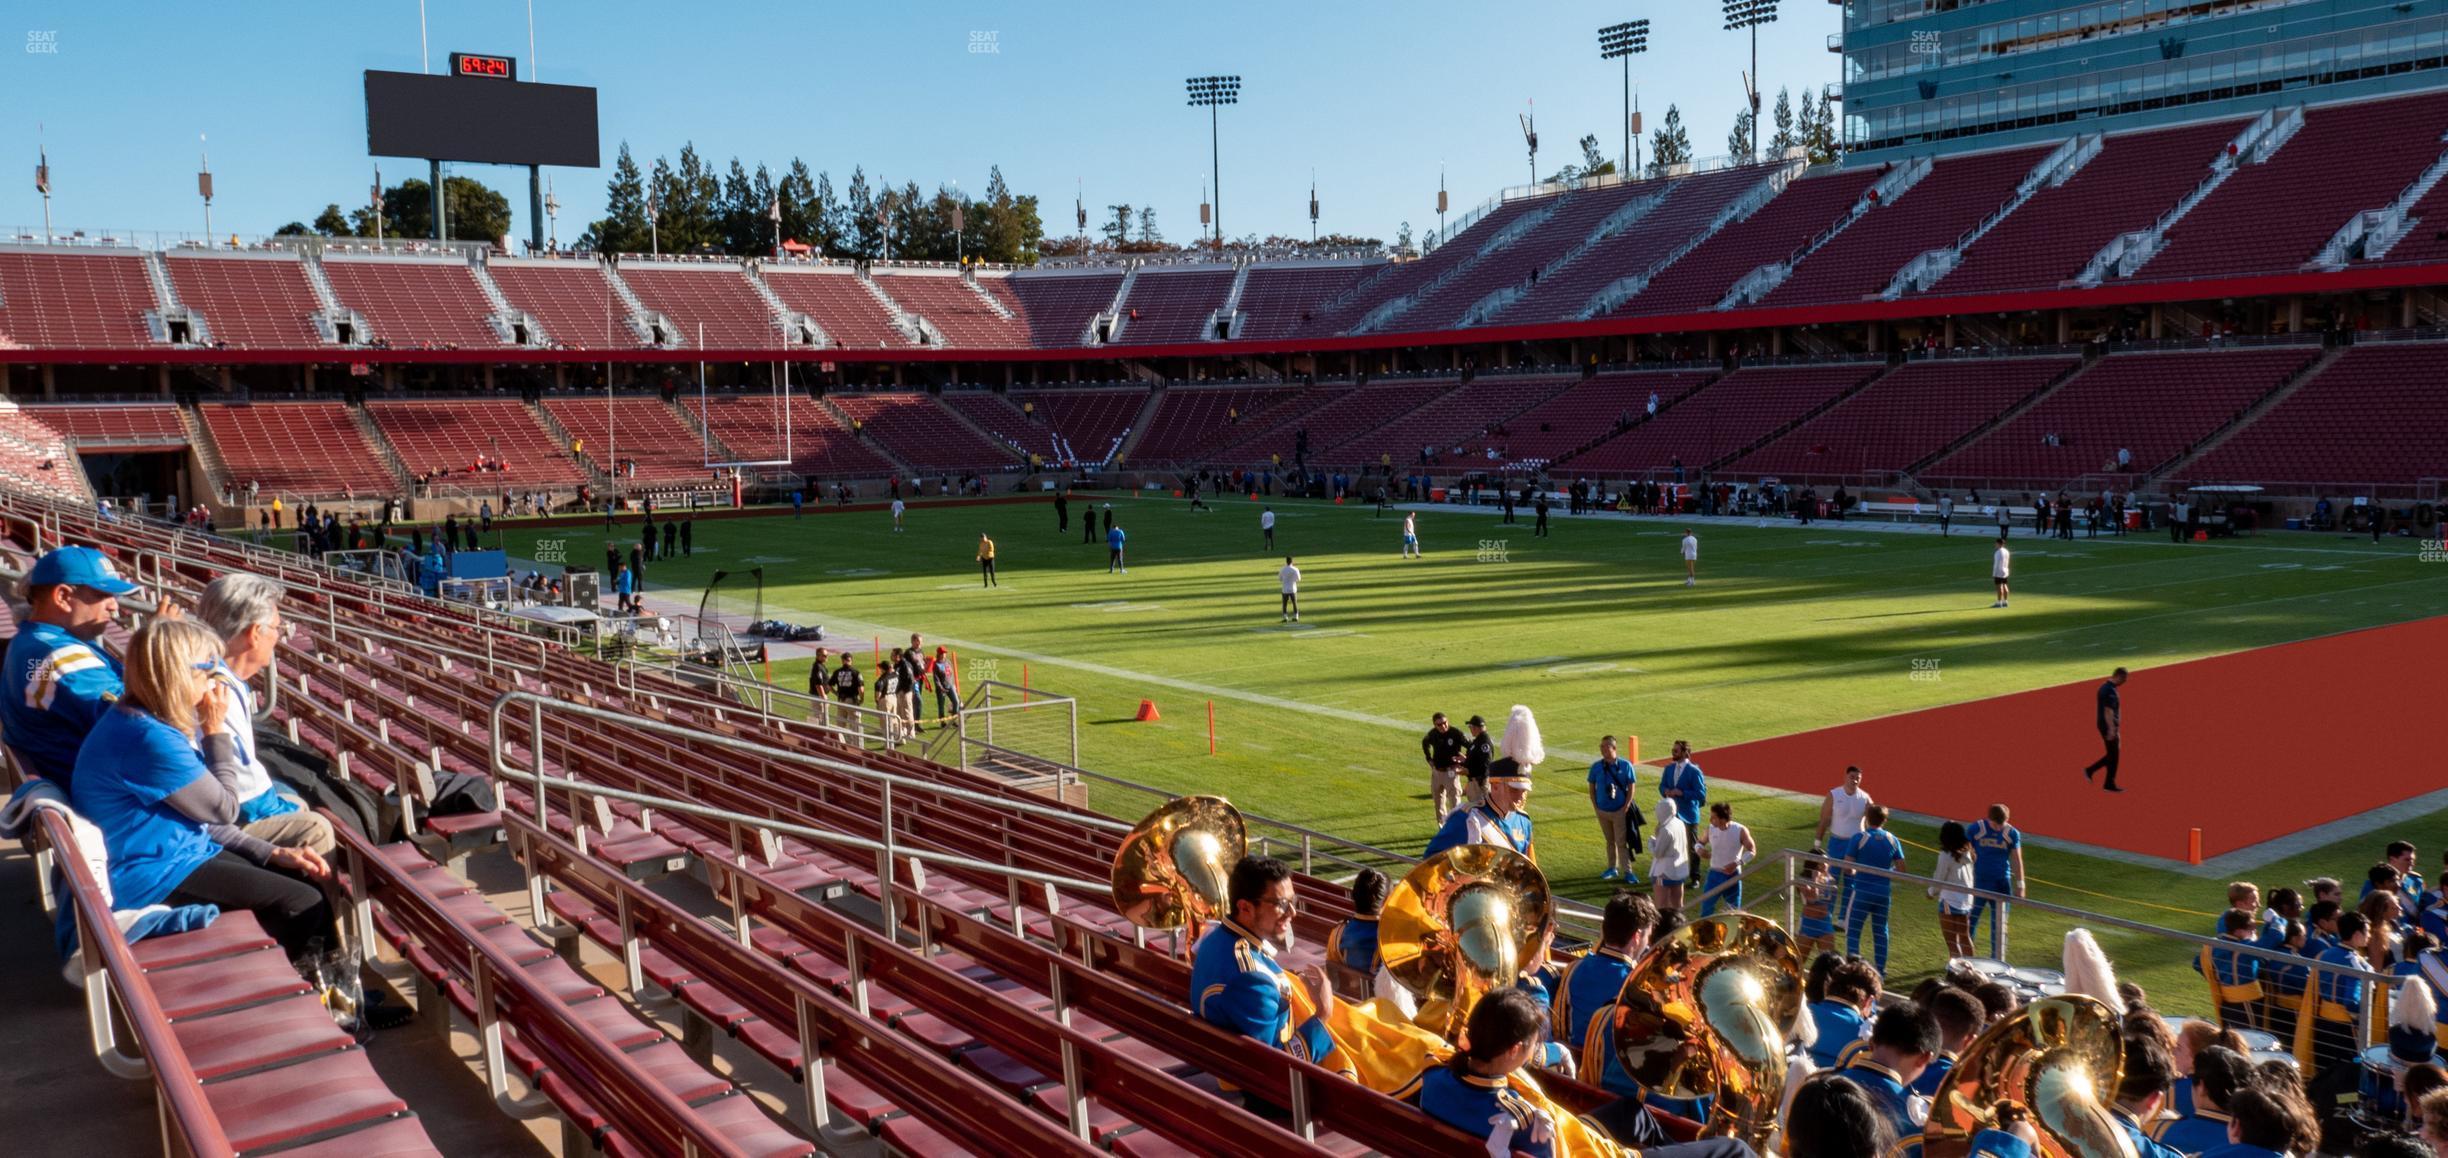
1442,748
2111,721
1475,756
848,685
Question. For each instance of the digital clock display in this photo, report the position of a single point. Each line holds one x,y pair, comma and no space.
470,64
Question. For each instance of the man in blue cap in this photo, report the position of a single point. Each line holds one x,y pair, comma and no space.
59,681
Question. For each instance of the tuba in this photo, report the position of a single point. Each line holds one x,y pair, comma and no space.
1461,925
1706,1013
1172,870
2059,1058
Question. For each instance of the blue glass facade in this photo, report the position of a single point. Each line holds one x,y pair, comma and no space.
1937,76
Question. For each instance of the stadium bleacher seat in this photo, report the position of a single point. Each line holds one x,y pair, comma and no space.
1190,419
1170,305
1513,266
1279,297
436,435
1460,419
713,304
415,303
956,307
1058,305
1958,192
27,443
2153,405
1067,425
72,298
296,448
1350,413
250,301
1590,411
134,428
572,301
845,310
1341,313
1699,279
920,433
2377,416
752,425
1690,204
643,431
1906,416
1721,418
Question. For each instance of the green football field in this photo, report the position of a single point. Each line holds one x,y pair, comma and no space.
1789,629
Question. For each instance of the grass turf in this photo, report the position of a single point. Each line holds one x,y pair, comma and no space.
1789,629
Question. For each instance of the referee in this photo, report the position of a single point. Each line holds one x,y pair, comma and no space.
2111,720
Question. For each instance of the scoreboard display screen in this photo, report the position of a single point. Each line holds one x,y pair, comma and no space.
474,114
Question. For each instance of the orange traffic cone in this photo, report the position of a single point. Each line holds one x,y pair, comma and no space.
1147,711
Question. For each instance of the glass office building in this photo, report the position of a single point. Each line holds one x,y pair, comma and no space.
1937,76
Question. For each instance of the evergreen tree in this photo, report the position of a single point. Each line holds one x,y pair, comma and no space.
293,229
797,191
860,235
824,217
1024,232
692,206
661,188
1669,143
1117,231
332,223
1785,136
1743,141
1819,130
623,226
1148,234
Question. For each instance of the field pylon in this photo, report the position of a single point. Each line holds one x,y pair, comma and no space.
1147,712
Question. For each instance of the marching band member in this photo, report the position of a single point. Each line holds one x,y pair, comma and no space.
1499,820
1236,983
2235,978
1902,1043
1840,1016
1353,945
2218,1072
1594,980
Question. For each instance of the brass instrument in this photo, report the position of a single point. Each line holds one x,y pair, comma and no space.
1173,869
1463,924
1706,1013
2058,1057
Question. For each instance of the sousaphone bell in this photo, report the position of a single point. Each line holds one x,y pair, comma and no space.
1172,870
1462,924
1705,1015
2060,1058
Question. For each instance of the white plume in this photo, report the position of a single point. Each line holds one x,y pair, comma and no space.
1521,738
2087,971
2416,1007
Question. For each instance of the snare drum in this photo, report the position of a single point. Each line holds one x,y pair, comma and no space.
2379,1085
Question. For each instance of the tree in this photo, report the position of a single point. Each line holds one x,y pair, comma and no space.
1819,129
1026,231
857,233
1744,140
692,204
293,229
1402,238
797,192
622,228
333,223
1669,143
476,211
1786,136
825,216
1117,231
1593,162
1147,226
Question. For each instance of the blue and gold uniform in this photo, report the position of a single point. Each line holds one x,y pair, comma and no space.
1480,824
1867,897
2202,1130
59,687
2242,1150
1935,1075
1993,850
1892,1097
1839,1025
1589,984
2143,1146
2235,979
1354,946
1236,983
1484,1107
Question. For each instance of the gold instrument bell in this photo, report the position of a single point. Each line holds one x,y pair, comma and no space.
2061,1059
1172,870
1461,925
1706,1014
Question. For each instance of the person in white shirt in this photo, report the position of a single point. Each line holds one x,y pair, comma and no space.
1291,590
1691,557
1266,526
1730,848
1670,857
1999,565
244,610
897,508
1946,514
1954,894
1840,815
1410,543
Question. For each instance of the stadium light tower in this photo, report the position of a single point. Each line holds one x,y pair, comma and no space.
1212,93
654,218
204,187
552,214
1529,124
1748,15
1624,41
42,185
376,203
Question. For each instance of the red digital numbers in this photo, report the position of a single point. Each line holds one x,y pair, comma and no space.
498,66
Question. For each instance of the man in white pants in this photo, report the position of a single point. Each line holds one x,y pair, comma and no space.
1410,546
1691,557
1291,590
1266,526
1999,565
897,508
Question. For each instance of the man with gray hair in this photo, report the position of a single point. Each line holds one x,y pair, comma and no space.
245,610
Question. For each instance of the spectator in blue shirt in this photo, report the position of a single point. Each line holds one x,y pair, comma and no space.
1113,546
1682,783
168,815
1611,780
60,681
1869,896
245,610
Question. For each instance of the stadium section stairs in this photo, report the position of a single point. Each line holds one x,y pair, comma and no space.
2378,230
1517,229
207,452
918,330
1758,283
596,476
2263,405
643,322
2059,167
1229,314
1146,416
330,314
507,319
1111,321
384,452
797,328
1622,290
900,468
2126,254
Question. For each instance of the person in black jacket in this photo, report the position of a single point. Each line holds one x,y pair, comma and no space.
1062,511
1475,756
671,537
688,536
1442,748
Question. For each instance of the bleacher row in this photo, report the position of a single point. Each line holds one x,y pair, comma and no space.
2287,415
1658,247
986,1016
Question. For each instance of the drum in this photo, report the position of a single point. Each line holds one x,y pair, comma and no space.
1988,967
2379,1085
2260,1041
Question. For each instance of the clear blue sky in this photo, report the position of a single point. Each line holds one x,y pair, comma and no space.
1372,96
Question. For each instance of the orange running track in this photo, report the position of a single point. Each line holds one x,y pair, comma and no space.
2247,747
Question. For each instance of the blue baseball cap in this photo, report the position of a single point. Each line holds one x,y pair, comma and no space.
79,567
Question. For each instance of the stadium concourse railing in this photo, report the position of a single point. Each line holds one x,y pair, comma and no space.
1783,899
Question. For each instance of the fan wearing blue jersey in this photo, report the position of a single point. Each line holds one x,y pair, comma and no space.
59,680
1870,896
1997,866
1236,982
